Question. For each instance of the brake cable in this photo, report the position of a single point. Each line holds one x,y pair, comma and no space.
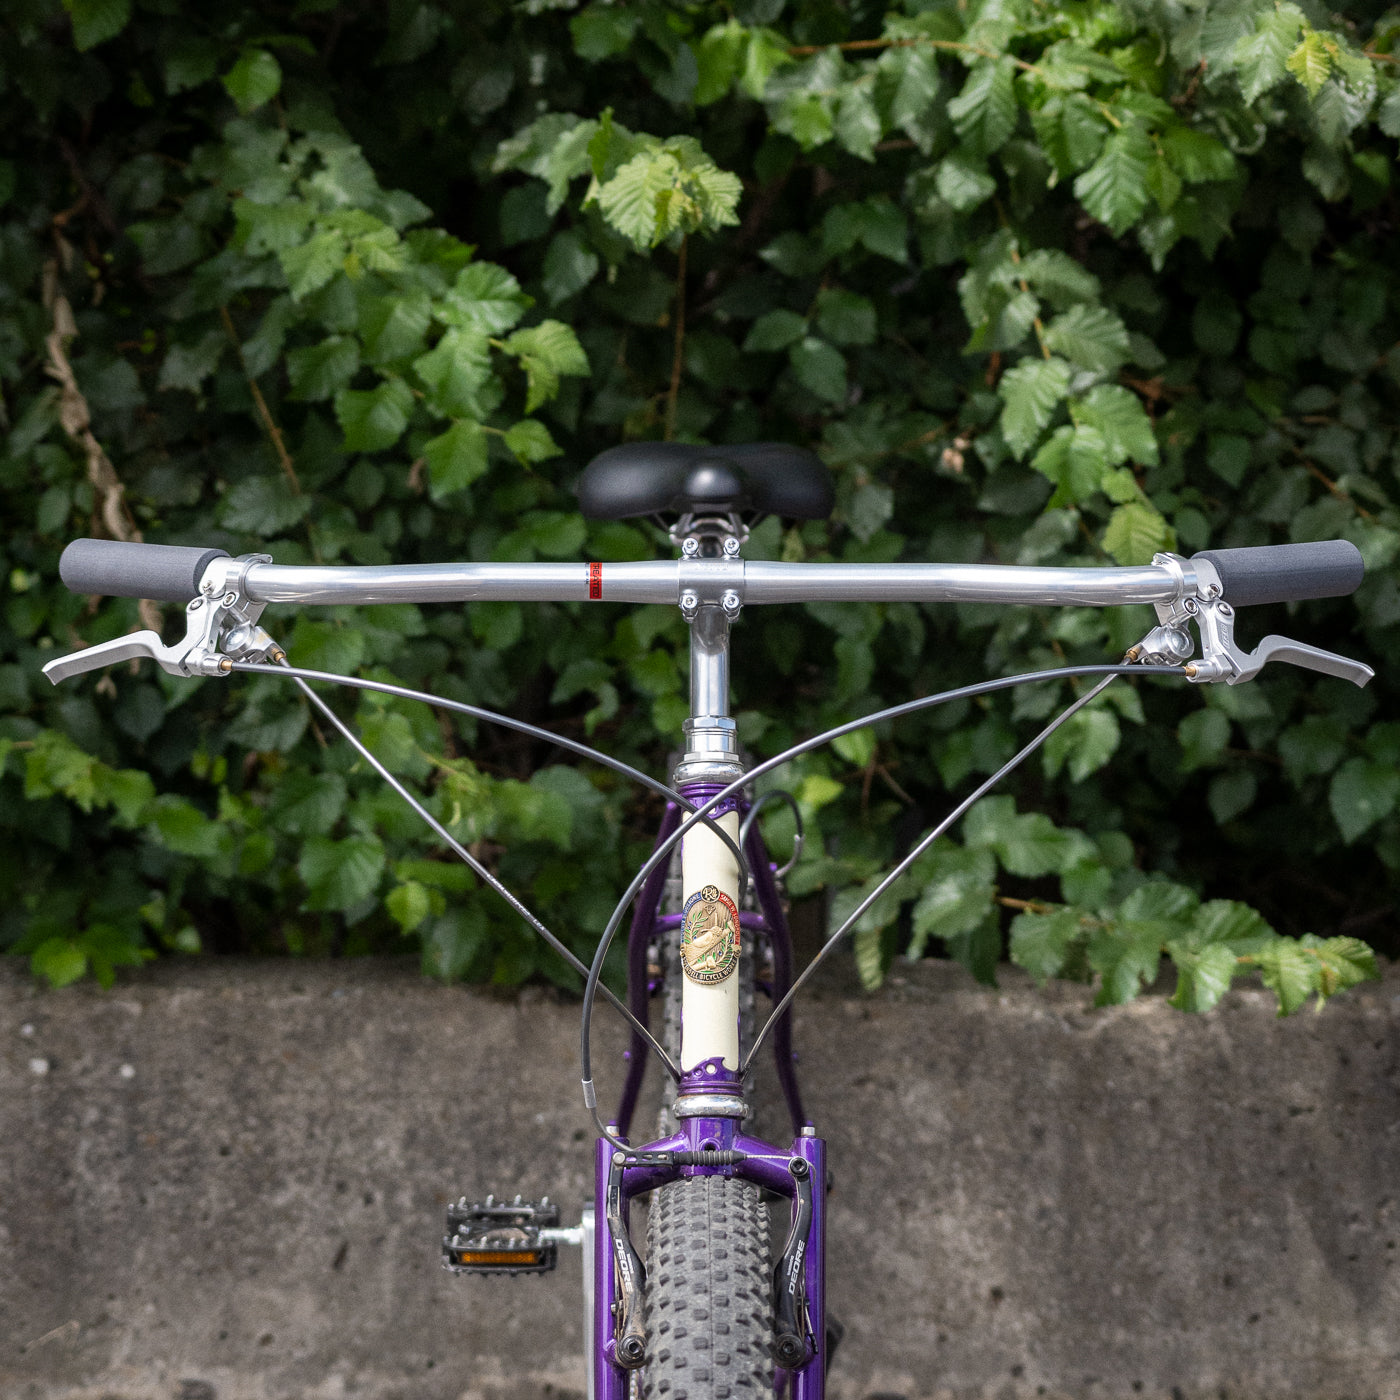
908,707
475,865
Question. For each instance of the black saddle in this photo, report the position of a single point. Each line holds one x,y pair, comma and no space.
663,478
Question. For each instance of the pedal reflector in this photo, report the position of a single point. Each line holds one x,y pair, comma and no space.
500,1237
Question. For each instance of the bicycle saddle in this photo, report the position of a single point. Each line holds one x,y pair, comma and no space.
661,478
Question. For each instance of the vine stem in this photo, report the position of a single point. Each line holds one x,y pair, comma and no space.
269,423
673,393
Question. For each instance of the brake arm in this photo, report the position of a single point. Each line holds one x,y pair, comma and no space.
629,1340
791,1324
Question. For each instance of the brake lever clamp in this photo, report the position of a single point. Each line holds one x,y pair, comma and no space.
219,629
1169,643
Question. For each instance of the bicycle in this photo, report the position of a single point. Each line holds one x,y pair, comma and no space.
710,1314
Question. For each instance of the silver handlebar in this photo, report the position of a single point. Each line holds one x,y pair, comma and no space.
222,623
667,581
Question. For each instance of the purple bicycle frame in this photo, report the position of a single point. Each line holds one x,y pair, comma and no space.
764,1163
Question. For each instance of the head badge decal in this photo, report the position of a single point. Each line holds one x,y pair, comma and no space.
710,936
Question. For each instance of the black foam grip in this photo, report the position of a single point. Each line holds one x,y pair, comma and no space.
169,573
1287,573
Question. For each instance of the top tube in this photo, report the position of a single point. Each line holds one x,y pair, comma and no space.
668,581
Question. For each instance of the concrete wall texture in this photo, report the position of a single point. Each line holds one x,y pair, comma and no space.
226,1182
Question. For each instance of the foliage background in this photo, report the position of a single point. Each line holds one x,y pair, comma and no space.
1044,283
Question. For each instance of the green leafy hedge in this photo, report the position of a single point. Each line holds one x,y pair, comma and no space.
1043,284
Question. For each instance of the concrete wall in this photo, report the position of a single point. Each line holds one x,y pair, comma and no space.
226,1182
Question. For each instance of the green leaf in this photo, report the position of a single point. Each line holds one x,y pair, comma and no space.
569,266
820,368
1136,532
1230,794
877,224
183,828
1030,393
1203,735
1058,278
1071,131
602,31
1027,844
1228,921
326,646
456,458
1362,792
310,265
775,330
1042,943
867,946
857,124
1203,975
262,505
1197,156
254,80
455,943
340,874
373,419
1288,972
393,327
806,117
408,905
718,57
546,352
984,112
957,893
307,804
94,22
321,371
188,366
1076,460
845,317
1342,963
1310,63
483,298
666,189
457,374
531,442
908,80
1114,188
1118,414
1091,336
1388,115
1126,951
1261,58
1086,741
59,960
964,182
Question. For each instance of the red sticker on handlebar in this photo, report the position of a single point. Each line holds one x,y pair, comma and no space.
595,582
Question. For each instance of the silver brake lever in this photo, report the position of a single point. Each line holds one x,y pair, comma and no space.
1222,660
1170,643
128,648
217,631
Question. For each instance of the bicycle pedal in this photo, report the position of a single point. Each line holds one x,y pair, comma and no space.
501,1237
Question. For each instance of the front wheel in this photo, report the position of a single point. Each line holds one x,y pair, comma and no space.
709,1318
